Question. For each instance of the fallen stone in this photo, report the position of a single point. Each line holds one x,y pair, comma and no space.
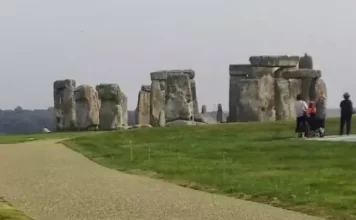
163,74
274,61
206,119
64,104
141,126
87,107
300,74
179,99
180,123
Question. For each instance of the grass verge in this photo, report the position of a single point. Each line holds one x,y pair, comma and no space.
7,212
252,161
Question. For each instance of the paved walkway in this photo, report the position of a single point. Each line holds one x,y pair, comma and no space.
51,182
344,138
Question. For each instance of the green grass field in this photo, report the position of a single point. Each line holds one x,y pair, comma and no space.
252,161
7,212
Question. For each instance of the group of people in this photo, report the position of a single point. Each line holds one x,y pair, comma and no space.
310,117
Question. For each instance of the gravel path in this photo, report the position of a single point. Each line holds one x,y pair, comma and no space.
51,182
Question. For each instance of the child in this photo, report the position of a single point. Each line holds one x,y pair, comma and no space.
301,108
311,118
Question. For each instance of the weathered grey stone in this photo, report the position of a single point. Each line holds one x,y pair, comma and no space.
317,89
207,119
181,123
251,99
163,74
179,99
87,107
286,91
143,106
195,100
113,110
251,72
64,104
146,88
219,114
109,92
162,119
157,100
300,74
306,62
203,109
274,61
125,115
141,126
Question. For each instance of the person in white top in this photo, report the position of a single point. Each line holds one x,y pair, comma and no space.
301,108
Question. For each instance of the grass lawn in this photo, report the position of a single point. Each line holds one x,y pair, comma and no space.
252,161
7,212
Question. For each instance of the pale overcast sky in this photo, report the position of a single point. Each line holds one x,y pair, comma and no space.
122,41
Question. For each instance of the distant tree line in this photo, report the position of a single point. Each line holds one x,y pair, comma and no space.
24,121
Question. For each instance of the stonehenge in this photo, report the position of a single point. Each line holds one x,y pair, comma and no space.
265,89
174,92
89,108
143,105
113,110
64,104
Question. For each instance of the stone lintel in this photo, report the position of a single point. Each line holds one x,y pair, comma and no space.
274,61
163,74
66,83
146,88
300,74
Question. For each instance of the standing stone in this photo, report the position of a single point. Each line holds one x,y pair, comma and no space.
179,100
157,100
195,100
125,115
288,84
143,105
306,62
219,114
162,119
317,89
113,110
87,107
203,109
251,93
64,104
158,91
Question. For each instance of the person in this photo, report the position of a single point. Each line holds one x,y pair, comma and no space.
320,114
311,118
347,111
301,108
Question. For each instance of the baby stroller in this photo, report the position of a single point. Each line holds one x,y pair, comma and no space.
314,126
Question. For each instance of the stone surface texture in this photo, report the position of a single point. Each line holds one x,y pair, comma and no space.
274,61
113,110
143,105
266,90
87,107
64,104
179,98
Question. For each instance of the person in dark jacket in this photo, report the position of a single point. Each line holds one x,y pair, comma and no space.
347,111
